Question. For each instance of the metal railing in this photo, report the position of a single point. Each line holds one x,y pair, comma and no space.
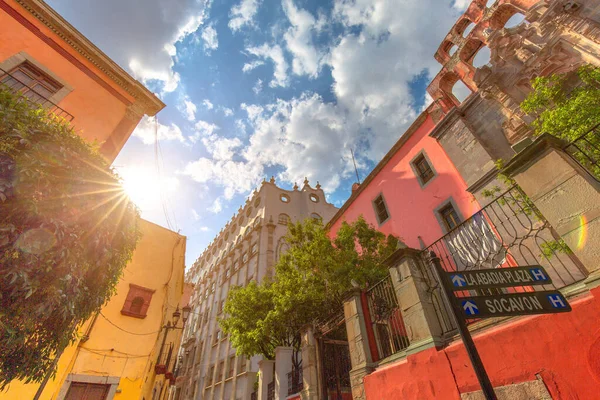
271,391
510,231
254,396
295,383
586,151
15,85
386,318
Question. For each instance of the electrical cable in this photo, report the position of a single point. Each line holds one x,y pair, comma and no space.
126,331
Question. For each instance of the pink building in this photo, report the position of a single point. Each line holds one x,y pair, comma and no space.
415,192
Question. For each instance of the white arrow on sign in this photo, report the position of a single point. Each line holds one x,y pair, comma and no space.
470,307
458,280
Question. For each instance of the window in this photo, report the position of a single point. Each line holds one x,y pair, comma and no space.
31,82
209,377
242,364
254,248
87,391
221,303
422,169
449,216
137,301
236,264
231,366
316,216
284,198
283,219
244,257
314,198
220,371
249,211
257,202
216,337
381,211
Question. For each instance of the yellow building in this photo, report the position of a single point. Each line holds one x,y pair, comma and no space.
119,353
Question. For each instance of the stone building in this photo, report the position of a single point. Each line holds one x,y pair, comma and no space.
246,249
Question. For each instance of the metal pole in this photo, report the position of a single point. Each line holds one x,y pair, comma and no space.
463,330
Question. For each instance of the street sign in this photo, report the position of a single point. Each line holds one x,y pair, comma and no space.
497,278
502,305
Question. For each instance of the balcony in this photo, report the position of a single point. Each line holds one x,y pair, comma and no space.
32,96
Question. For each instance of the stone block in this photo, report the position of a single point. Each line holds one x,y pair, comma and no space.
532,390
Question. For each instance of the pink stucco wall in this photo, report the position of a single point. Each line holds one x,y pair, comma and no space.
411,207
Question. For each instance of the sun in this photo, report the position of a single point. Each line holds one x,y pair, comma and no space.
145,187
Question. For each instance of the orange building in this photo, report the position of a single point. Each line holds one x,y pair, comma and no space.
62,69
128,349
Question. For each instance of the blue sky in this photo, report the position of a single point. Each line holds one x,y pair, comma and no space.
256,88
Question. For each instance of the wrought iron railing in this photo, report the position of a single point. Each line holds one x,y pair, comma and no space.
510,231
254,396
586,151
271,391
15,85
295,384
386,318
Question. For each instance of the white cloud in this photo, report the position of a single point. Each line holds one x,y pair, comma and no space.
195,214
208,104
188,108
299,40
142,35
148,129
275,54
204,229
209,35
228,112
202,129
243,14
461,5
251,65
216,207
252,110
258,86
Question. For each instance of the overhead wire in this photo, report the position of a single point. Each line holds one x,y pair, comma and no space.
125,330
159,162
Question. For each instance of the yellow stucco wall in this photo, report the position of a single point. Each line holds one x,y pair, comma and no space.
123,346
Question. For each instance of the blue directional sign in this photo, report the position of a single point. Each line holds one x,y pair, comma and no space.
497,278
458,280
470,307
511,304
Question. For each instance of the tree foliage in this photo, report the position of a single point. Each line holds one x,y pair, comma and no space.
310,281
66,232
565,105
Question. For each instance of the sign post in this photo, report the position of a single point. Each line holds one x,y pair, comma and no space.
482,377
499,305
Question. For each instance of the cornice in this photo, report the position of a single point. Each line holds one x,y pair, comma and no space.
57,24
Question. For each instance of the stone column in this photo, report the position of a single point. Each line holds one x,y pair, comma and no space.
310,377
283,365
265,368
414,299
358,343
565,193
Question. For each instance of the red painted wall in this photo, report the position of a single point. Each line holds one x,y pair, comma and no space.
564,349
410,206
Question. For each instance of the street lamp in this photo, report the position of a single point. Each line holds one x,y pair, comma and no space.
161,368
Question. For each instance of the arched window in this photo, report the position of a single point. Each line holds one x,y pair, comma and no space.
283,219
461,91
482,57
506,16
136,305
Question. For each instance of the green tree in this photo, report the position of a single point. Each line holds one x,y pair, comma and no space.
565,105
310,281
66,232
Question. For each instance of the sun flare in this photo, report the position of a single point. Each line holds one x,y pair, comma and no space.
144,186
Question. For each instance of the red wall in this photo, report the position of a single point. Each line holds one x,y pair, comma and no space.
410,206
564,349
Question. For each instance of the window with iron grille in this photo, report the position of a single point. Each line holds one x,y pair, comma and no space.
423,169
449,216
242,364
381,210
31,82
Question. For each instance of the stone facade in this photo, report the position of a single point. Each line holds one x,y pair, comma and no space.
245,249
555,36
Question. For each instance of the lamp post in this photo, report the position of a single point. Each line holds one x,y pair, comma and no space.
171,325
